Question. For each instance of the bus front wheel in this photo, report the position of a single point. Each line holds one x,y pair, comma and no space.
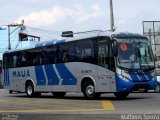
30,89
89,91
157,88
121,95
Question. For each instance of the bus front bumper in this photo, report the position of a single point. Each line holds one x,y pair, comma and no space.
130,86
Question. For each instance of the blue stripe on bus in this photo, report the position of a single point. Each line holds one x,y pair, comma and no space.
8,77
66,75
41,80
134,76
142,76
39,44
49,43
4,77
51,75
60,41
149,76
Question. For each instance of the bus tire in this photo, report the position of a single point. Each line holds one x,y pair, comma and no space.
89,91
121,95
30,89
58,94
157,88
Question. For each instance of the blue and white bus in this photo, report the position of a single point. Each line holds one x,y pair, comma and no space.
92,64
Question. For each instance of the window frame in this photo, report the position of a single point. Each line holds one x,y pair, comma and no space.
94,41
110,42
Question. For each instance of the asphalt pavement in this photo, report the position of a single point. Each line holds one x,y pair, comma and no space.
75,106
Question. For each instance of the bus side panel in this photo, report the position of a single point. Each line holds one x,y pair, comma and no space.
107,80
104,79
18,77
81,70
68,77
6,80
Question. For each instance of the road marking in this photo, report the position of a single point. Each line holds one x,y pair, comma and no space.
5,100
107,105
46,111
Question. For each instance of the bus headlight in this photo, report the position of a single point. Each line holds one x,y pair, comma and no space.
125,79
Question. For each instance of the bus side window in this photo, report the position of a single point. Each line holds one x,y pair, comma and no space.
19,62
6,62
63,53
54,55
78,53
14,61
24,59
84,51
53,58
103,55
72,52
49,55
45,57
37,60
29,59
37,57
65,56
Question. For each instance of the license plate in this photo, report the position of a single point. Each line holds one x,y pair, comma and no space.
141,89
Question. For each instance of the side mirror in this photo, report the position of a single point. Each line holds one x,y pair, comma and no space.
115,48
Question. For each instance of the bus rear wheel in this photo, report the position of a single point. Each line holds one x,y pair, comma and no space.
121,95
58,94
89,91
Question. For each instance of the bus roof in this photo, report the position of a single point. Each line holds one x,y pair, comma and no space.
79,36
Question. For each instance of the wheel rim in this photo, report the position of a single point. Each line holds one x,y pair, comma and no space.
90,89
29,90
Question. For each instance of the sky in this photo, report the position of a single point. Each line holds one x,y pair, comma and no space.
79,15
51,16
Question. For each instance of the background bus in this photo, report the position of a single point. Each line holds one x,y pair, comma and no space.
92,64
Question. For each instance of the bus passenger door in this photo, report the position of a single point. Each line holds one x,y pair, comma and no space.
106,75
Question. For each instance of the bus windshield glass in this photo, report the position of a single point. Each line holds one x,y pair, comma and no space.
135,53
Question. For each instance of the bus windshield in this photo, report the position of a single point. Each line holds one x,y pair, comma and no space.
135,53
